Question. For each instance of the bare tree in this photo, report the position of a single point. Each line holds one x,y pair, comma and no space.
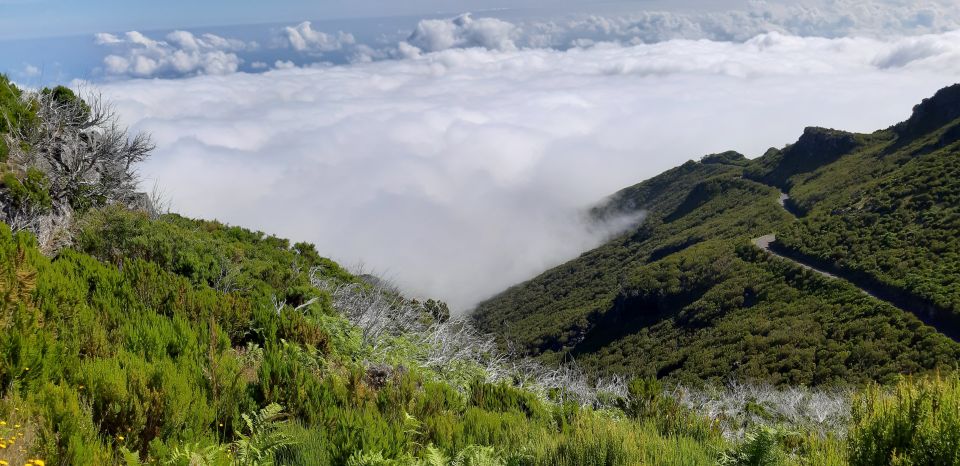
374,309
81,147
379,312
159,202
23,217
734,406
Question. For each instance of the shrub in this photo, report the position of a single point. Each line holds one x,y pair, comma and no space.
917,422
760,447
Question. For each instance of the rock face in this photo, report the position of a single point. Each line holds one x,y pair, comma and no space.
932,113
53,232
815,148
817,144
729,157
140,202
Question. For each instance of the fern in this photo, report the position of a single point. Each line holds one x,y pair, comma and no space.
475,455
471,456
261,438
435,457
195,455
760,447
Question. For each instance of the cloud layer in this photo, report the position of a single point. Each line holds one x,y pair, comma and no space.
460,172
809,18
303,38
182,53
432,35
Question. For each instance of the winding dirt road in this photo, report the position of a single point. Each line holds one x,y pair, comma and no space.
764,241
945,323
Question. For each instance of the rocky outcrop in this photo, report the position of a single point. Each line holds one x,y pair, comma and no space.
931,113
815,148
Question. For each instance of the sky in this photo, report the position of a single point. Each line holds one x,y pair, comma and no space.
49,18
455,153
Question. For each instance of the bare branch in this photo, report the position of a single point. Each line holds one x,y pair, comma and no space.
81,147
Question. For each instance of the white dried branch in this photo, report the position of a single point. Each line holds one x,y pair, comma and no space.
81,147
378,312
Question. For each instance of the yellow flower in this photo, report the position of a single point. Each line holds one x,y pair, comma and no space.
3,446
39,463
26,368
120,438
3,423
4,463
16,426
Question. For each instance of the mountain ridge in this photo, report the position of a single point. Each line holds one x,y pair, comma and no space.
704,289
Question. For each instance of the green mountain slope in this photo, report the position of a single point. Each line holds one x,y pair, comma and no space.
686,296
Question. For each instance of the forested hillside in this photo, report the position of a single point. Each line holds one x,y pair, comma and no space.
687,297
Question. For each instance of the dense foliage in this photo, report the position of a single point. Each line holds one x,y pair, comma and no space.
141,356
913,423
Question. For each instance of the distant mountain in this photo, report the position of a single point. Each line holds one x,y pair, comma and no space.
687,295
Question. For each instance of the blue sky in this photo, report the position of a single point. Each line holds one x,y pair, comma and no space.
47,18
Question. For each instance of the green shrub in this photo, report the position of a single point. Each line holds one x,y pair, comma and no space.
759,447
69,432
30,191
917,422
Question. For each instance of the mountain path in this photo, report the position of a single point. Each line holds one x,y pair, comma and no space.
764,241
943,324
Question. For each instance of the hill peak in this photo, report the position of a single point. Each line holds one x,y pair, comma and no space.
815,148
932,113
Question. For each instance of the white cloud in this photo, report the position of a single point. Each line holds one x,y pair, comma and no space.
809,18
181,54
30,71
105,38
461,172
303,38
915,49
433,35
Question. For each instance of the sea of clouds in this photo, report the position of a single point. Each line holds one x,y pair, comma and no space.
462,171
183,53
